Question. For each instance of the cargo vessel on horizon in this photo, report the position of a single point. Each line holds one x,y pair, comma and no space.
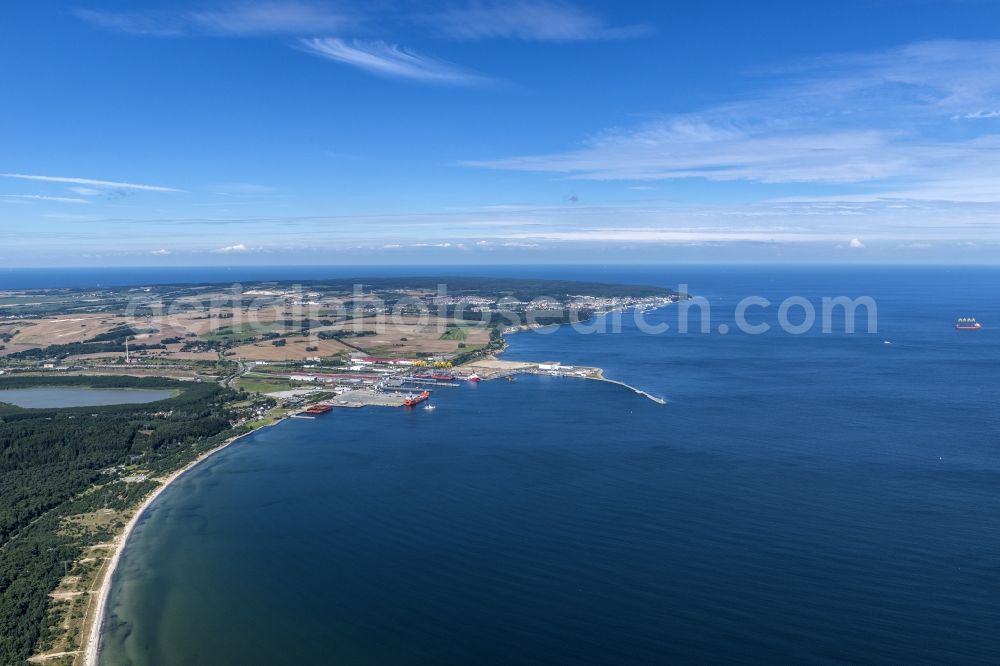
967,324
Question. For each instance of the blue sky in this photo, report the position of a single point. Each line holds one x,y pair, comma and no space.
315,132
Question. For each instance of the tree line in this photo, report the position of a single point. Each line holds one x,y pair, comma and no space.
56,463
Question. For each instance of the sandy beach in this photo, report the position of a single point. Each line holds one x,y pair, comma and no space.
93,641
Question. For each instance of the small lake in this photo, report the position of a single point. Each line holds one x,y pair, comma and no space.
81,396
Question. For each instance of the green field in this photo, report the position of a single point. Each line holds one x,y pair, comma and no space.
454,333
244,332
257,385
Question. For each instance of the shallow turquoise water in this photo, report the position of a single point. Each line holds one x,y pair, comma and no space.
815,498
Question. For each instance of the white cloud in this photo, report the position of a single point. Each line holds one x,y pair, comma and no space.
232,249
977,114
791,224
84,191
884,119
529,20
674,235
160,253
289,17
39,197
157,24
90,181
238,19
526,20
681,149
389,60
856,244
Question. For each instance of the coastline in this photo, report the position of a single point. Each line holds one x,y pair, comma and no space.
91,650
599,374
96,613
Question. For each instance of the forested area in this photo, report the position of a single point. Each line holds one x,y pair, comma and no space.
56,463
72,348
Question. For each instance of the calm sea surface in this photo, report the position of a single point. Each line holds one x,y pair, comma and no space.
812,498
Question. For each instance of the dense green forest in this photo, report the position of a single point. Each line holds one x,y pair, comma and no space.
55,463
64,350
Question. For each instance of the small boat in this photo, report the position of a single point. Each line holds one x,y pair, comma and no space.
429,406
413,401
967,324
474,378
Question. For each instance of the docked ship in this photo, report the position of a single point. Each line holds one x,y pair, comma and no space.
967,324
474,378
413,401
318,409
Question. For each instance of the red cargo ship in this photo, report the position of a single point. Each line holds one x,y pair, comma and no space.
318,409
412,401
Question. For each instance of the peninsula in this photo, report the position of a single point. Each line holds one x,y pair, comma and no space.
233,358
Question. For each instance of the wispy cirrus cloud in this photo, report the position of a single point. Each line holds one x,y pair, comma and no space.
84,191
109,184
390,60
892,231
690,148
977,114
238,248
41,197
905,123
527,20
154,24
524,20
282,18
237,19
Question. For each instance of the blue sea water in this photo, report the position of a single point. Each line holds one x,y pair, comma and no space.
820,498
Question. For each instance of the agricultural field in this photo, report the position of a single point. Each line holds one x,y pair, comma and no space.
189,326
265,385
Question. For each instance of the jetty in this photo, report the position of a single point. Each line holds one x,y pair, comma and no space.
658,400
499,369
